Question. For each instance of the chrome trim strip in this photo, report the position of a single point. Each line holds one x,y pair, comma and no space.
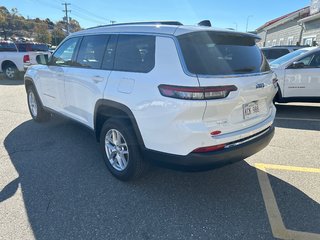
247,132
235,75
247,140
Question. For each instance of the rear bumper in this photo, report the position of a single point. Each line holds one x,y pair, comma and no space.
235,152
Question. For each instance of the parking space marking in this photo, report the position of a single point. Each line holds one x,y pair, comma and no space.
277,226
299,119
263,167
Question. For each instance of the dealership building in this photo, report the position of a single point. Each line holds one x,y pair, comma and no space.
301,27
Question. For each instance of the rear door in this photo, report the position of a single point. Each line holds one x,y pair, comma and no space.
304,81
225,61
86,79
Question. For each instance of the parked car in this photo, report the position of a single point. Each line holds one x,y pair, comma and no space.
298,76
178,94
272,53
12,62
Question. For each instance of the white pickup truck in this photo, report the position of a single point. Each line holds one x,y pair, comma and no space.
14,63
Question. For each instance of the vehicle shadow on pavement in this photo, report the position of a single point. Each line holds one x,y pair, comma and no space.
298,117
11,82
69,194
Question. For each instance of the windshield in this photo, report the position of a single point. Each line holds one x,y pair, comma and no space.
221,53
276,63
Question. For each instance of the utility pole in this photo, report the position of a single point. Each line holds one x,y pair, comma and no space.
66,11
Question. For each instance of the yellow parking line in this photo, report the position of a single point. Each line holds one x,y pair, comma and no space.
277,226
263,166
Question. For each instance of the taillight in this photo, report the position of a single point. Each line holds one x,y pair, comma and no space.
196,93
209,149
26,59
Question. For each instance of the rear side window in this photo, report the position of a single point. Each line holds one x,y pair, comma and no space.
276,53
7,47
109,53
135,53
91,51
215,53
40,47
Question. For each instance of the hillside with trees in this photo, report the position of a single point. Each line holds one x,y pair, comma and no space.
15,26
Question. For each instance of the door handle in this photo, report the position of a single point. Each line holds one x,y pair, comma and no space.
97,79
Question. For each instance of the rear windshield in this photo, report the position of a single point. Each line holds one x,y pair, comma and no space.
214,53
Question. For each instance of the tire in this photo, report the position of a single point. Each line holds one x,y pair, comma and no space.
121,151
11,72
35,107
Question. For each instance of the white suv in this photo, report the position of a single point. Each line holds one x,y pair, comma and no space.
184,95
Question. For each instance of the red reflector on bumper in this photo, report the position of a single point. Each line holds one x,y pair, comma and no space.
209,149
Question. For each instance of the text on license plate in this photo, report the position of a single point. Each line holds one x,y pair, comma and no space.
250,110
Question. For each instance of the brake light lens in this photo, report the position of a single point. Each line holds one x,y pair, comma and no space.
196,93
209,149
26,59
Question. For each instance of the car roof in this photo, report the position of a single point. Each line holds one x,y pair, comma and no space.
310,48
154,28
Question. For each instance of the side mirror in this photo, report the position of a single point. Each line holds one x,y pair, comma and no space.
42,59
296,65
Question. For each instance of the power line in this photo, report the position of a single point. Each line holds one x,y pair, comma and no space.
84,11
82,16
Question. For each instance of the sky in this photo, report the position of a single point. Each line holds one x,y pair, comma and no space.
223,14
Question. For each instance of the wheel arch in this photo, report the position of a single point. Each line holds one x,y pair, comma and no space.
7,63
105,109
278,97
28,82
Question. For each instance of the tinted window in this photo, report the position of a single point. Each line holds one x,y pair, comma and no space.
287,58
91,51
213,53
108,59
311,61
135,53
32,47
22,47
7,47
276,53
65,53
40,47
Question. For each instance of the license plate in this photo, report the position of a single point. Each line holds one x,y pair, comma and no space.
250,110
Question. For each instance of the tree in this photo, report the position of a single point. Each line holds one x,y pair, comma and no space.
4,16
42,33
59,33
74,25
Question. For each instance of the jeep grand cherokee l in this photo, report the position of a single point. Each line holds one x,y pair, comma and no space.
185,95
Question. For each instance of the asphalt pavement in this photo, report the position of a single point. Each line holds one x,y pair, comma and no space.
54,185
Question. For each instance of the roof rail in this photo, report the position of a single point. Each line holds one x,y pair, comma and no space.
134,23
